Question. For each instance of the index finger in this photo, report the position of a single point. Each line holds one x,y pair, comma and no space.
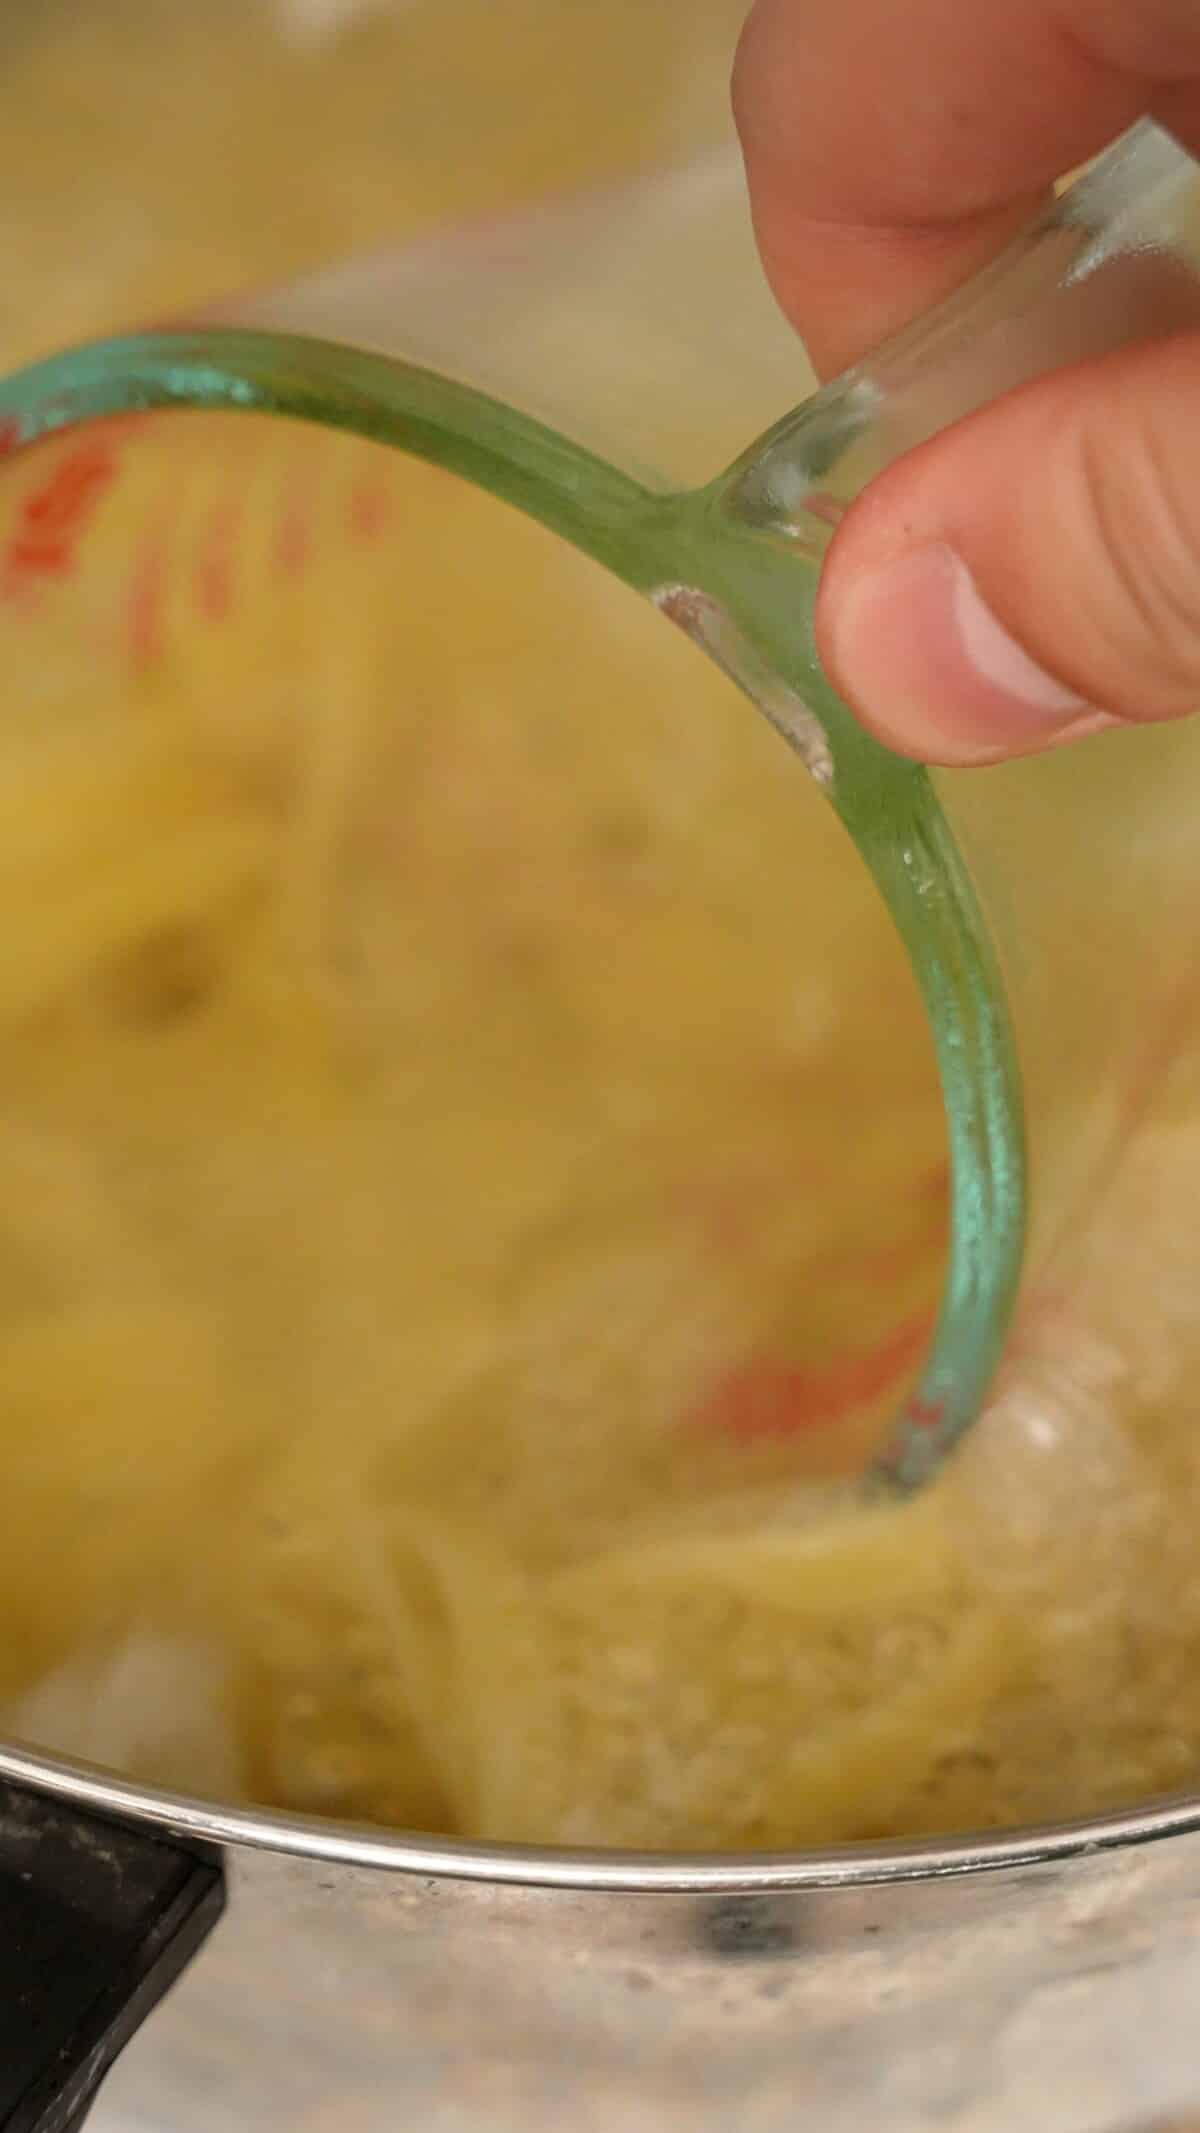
892,148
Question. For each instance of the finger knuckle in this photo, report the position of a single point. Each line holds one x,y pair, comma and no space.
1133,499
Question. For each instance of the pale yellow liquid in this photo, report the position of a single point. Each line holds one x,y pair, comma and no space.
445,1047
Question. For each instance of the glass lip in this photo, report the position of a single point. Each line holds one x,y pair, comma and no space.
359,1845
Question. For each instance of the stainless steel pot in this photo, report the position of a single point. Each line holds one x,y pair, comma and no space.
359,1981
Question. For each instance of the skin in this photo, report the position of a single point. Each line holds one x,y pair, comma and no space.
1033,573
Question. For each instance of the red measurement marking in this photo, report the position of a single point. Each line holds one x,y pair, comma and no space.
214,565
368,512
146,599
53,516
772,1400
293,537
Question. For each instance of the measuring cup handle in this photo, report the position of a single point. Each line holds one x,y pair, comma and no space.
97,1920
1114,260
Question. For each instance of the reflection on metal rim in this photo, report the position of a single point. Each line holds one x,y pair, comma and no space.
352,1845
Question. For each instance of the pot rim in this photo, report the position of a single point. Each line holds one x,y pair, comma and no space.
347,1844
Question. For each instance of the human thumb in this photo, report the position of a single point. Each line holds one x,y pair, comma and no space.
1031,574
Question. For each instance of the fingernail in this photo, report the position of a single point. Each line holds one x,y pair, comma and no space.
933,671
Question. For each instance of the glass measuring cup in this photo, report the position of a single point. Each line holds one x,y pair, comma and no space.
1043,893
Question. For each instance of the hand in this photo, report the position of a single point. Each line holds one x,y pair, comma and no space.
1033,573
